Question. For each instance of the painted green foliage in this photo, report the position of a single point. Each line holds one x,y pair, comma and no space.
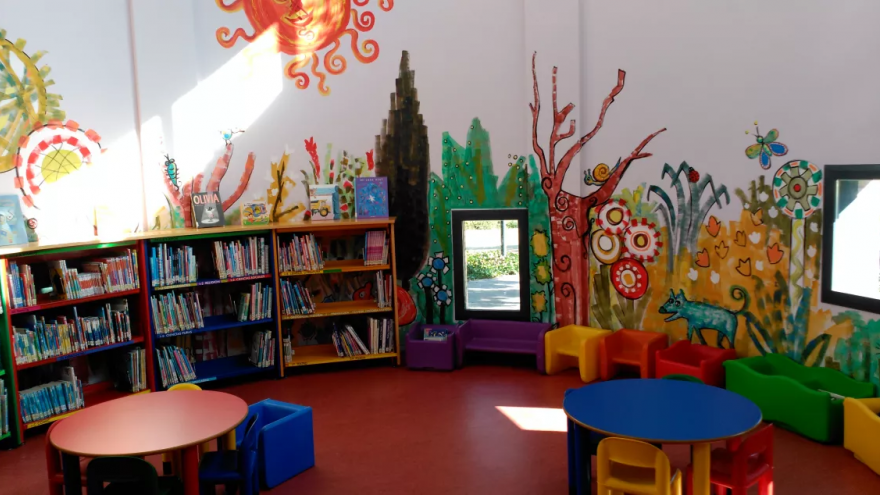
468,181
858,355
342,172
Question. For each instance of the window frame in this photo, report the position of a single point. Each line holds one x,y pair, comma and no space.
833,174
459,216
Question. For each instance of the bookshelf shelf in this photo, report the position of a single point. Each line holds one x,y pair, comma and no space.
214,323
214,281
71,302
91,399
323,310
228,367
326,354
339,266
91,350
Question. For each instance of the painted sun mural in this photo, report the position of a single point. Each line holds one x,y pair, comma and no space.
311,31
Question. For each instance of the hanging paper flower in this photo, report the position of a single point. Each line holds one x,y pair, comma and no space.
439,263
426,280
642,240
797,188
614,217
605,247
442,295
629,278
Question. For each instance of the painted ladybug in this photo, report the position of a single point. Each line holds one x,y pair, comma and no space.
693,175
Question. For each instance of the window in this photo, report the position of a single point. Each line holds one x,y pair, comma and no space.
491,255
851,237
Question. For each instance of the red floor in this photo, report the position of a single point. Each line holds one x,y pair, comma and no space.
393,431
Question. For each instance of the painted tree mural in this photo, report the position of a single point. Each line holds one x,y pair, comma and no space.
402,157
568,212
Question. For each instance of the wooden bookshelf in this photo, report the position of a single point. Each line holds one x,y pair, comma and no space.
339,266
91,350
49,304
91,399
323,310
214,281
307,355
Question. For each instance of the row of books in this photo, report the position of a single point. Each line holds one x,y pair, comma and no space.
295,299
380,338
21,286
262,349
173,265
59,337
4,409
176,312
241,259
381,335
53,398
376,248
384,286
287,348
256,304
136,369
174,366
300,254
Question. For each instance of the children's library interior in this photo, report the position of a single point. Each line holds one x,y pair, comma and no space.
479,247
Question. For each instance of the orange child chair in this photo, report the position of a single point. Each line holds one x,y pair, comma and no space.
53,466
631,466
742,464
574,346
169,458
630,348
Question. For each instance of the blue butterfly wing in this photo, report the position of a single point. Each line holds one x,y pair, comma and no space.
778,149
765,159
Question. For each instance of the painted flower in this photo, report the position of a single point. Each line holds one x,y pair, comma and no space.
629,278
797,188
347,184
539,302
343,207
542,272
773,211
426,280
439,263
642,240
442,295
370,163
539,243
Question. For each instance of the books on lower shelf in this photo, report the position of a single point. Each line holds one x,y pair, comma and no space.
56,338
288,350
174,366
296,299
172,265
4,408
301,254
384,286
262,349
176,312
136,369
241,259
21,286
256,304
380,339
376,248
53,398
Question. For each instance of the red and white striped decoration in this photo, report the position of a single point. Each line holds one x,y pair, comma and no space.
642,240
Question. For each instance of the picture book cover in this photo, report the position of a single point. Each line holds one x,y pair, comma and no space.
255,213
324,202
11,221
371,197
207,210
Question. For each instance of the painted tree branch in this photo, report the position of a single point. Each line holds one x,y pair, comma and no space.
536,111
603,194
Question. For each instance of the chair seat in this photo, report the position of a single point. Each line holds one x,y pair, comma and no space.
631,357
219,467
503,345
722,465
168,485
572,350
632,479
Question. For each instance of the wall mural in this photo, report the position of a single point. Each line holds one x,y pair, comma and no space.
569,228
303,28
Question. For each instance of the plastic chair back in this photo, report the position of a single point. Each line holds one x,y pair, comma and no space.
636,454
184,386
247,455
758,444
683,378
137,475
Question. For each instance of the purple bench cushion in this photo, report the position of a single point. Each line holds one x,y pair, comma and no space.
503,336
502,345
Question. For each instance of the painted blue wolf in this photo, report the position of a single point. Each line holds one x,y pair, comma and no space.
701,316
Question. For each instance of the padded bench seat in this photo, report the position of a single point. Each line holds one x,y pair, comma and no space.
512,337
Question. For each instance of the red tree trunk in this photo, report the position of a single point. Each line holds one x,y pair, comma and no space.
569,263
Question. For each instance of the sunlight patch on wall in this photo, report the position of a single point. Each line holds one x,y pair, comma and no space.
231,98
535,418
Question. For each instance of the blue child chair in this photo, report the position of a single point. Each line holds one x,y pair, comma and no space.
285,444
232,467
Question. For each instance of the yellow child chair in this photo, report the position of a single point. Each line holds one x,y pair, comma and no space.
631,466
169,457
861,430
574,346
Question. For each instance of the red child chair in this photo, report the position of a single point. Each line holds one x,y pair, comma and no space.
741,466
53,466
701,361
630,348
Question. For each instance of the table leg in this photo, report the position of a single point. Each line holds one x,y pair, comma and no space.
190,470
72,474
572,460
701,457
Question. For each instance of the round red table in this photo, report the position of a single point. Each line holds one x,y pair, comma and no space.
146,424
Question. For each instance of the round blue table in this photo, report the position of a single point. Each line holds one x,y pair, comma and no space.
656,411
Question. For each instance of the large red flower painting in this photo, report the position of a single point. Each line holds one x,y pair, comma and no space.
305,27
